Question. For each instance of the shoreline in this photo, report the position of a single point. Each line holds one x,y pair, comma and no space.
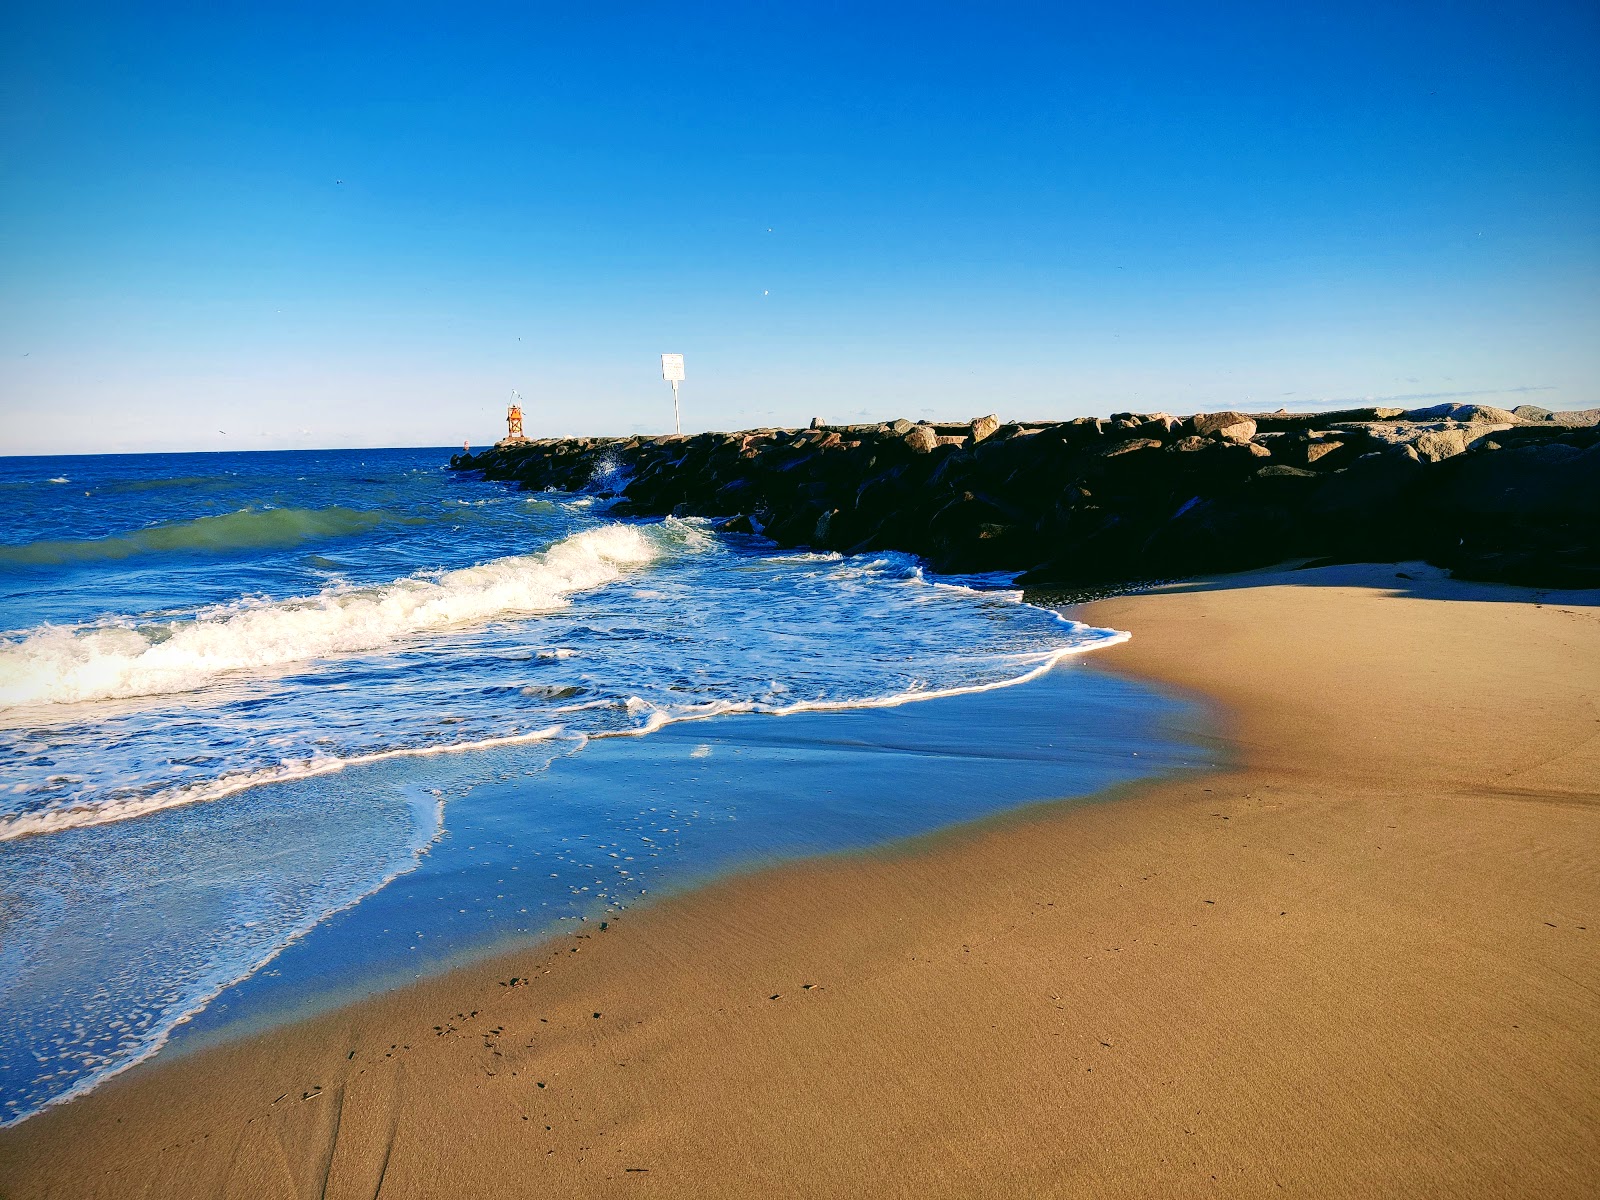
1339,1024
866,740
731,796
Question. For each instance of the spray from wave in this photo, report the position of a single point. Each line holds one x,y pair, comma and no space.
64,665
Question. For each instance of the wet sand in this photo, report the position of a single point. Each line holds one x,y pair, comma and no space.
1363,961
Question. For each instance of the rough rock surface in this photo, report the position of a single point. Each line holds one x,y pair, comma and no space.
1095,502
1230,426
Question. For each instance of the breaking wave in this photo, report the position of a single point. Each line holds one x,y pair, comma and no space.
69,664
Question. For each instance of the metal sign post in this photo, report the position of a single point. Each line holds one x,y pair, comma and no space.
672,372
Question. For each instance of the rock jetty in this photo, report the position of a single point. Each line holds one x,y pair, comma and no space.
1093,503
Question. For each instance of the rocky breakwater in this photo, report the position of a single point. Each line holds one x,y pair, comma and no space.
1090,503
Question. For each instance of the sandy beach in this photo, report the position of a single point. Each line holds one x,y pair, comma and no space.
1360,961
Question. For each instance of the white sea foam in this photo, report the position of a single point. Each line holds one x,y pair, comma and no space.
1034,666
428,817
57,819
67,664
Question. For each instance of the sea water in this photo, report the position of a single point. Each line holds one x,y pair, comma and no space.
281,725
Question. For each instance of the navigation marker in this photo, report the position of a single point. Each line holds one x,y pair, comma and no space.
672,372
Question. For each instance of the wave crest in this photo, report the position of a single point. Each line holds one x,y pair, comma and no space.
65,664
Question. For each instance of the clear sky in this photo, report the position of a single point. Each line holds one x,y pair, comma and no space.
278,225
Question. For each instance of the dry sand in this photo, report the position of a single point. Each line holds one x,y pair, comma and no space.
1362,963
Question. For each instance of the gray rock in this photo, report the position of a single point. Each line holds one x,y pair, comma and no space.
982,427
1319,448
1119,448
1158,425
1279,471
1572,418
1483,412
1377,413
1464,413
1440,444
1231,426
1549,481
1434,412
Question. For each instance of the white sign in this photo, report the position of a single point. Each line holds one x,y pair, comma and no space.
672,367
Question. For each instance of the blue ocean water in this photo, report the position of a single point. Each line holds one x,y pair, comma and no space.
278,725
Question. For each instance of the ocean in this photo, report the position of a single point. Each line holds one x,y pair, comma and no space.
281,728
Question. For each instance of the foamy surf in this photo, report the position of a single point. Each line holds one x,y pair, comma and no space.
58,820
186,983
69,665
1036,665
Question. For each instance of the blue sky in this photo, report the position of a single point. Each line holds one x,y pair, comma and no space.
267,226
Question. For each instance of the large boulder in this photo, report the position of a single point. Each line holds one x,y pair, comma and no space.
1548,481
1469,413
983,427
1371,485
1433,412
1117,449
1465,413
1527,515
1572,417
1319,448
1230,426
921,440
1436,445
1219,534
1158,425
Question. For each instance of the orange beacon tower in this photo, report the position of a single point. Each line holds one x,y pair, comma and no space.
514,421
